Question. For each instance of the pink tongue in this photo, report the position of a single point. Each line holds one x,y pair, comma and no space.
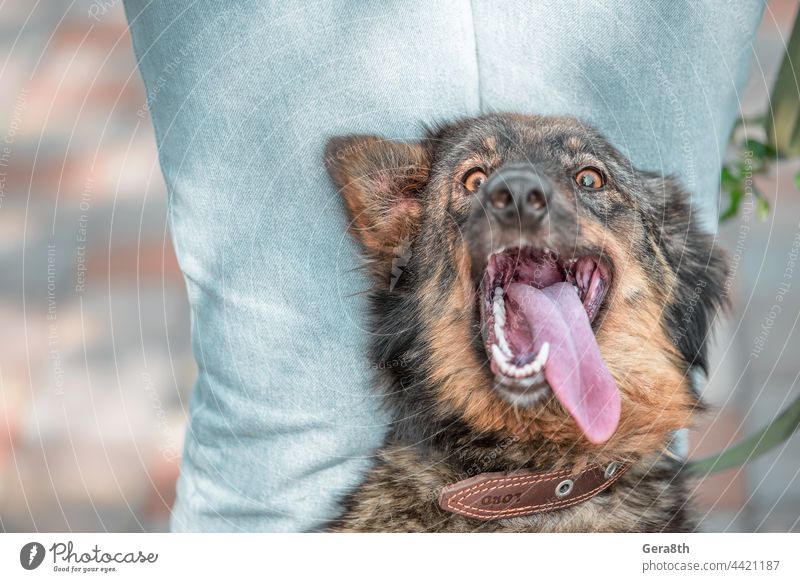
575,369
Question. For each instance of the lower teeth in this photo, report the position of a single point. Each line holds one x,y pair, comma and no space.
523,382
501,351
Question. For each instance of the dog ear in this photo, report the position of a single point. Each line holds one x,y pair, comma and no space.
701,268
381,181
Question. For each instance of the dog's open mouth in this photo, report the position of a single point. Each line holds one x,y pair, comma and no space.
537,312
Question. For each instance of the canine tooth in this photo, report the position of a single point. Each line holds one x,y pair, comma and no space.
544,351
541,357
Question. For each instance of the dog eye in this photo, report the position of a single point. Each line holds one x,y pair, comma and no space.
590,178
473,179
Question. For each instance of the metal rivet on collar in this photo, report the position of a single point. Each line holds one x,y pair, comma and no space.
564,488
611,470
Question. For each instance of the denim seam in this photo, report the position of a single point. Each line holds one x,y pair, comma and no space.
477,58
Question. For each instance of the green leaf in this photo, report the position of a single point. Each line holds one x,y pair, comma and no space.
728,180
736,195
762,208
776,432
761,150
797,180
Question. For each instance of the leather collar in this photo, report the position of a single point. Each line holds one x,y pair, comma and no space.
490,496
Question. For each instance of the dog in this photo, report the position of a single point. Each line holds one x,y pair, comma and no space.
549,306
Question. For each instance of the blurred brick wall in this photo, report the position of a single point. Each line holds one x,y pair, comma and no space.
96,365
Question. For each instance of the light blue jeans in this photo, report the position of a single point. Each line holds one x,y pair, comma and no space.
243,95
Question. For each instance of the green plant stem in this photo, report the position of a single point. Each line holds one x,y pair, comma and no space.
770,436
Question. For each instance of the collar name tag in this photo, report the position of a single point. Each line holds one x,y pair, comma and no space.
490,496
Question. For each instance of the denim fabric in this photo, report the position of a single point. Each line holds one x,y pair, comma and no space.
243,96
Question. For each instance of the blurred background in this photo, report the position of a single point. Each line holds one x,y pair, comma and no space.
95,357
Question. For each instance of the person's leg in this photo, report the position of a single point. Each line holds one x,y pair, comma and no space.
243,96
659,78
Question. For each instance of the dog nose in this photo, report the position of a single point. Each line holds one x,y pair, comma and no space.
517,195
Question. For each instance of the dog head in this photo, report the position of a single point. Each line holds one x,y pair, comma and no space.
531,280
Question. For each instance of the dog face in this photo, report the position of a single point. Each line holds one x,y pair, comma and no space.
531,281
